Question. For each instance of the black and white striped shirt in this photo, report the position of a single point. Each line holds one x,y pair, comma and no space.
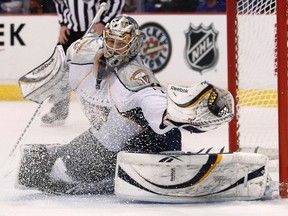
78,14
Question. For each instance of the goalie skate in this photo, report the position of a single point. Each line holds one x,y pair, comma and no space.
183,177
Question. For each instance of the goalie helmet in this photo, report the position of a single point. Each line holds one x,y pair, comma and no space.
122,40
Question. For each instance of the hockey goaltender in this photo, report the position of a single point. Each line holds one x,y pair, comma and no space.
135,118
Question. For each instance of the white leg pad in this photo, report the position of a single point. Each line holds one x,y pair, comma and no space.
181,177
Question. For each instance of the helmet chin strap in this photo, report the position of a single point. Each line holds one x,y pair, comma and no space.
115,61
108,65
101,70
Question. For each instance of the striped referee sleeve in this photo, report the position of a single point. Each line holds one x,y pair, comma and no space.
77,15
62,11
114,10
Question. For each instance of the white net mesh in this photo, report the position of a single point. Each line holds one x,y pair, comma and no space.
256,6
257,77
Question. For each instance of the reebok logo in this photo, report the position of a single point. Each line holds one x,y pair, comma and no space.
179,89
169,159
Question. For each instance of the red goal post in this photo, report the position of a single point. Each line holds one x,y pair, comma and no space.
257,78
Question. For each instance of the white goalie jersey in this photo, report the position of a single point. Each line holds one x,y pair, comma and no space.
119,104
110,96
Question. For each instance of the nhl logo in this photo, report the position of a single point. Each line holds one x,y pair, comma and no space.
201,51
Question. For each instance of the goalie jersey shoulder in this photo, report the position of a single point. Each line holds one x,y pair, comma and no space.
84,50
135,76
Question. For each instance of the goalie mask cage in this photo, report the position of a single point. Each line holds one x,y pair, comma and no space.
257,79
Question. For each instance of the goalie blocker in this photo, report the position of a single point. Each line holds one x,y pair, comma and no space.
44,80
185,177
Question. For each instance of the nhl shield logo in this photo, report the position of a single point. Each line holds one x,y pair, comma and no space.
201,51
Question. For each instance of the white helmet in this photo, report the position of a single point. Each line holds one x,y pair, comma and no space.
122,30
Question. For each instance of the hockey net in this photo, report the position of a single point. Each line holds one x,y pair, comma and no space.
254,52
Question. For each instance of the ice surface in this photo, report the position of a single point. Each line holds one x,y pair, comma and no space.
14,117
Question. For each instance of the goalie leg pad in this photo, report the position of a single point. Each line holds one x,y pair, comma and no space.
180,177
87,160
39,169
35,167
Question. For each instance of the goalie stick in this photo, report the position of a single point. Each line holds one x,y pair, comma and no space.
103,7
5,169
